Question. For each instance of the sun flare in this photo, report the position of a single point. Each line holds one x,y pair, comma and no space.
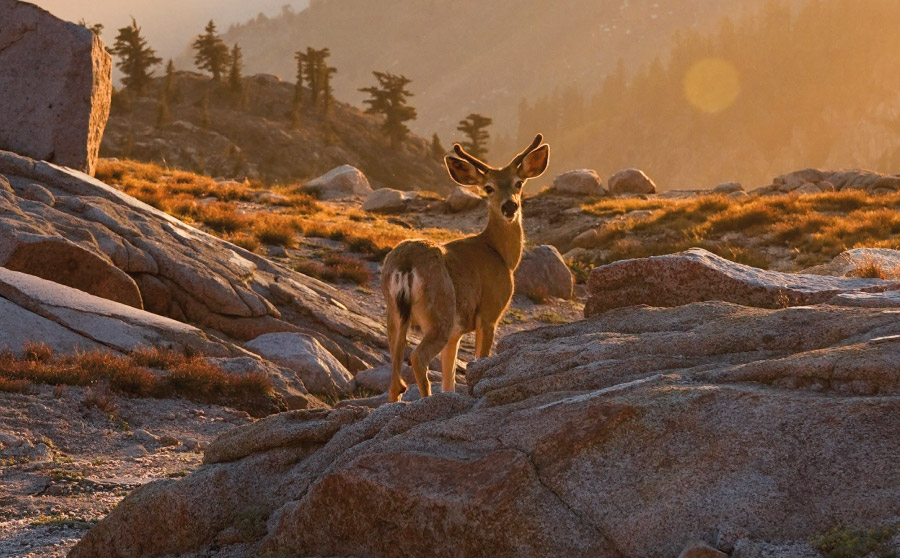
712,85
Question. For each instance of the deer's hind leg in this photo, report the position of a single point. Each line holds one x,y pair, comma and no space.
435,315
397,330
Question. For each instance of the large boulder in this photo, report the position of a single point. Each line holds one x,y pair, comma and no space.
584,182
463,199
314,365
630,434
630,181
697,275
543,272
67,227
385,200
56,82
341,182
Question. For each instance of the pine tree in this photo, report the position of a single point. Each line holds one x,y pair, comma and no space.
437,150
312,74
389,99
135,58
212,52
327,90
234,76
475,127
302,59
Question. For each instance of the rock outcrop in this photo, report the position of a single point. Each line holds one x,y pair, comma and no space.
87,235
629,434
697,275
811,181
630,181
341,182
584,182
56,82
543,272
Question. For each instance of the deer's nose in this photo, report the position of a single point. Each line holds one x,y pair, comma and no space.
509,208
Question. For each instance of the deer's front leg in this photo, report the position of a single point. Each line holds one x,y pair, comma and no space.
484,339
448,364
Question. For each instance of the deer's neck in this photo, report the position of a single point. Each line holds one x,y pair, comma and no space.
506,237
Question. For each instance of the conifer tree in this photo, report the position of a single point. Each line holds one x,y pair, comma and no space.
302,59
234,76
389,98
475,127
135,58
437,150
211,52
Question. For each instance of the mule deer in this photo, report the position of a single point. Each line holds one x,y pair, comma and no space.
462,286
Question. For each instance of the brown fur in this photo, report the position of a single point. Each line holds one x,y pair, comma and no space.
464,285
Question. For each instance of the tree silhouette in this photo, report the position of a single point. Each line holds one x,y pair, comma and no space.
389,98
135,58
234,76
302,58
437,150
475,127
212,52
315,71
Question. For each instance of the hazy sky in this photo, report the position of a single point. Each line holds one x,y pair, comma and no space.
169,25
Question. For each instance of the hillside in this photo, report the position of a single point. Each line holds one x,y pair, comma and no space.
817,88
255,137
469,55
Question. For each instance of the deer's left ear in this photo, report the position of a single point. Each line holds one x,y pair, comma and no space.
535,163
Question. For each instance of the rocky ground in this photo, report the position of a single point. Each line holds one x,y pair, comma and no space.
70,454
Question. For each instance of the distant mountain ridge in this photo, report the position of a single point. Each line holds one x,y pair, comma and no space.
477,56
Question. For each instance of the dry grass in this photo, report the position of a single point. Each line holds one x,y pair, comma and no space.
334,268
816,228
147,372
224,210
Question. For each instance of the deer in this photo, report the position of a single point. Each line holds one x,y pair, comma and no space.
449,290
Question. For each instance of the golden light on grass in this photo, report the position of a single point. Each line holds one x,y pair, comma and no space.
712,85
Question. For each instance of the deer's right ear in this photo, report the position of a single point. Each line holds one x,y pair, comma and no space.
463,172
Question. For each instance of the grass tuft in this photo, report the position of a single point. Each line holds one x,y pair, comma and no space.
147,372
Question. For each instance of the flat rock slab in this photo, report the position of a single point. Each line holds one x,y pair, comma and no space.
697,275
56,82
628,434
37,310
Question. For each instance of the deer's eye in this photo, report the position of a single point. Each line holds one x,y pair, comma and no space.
519,185
489,189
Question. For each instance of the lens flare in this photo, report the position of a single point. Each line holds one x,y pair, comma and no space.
711,85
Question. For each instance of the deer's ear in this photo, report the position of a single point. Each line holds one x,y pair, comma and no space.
535,163
463,172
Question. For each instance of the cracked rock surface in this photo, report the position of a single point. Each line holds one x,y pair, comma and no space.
628,434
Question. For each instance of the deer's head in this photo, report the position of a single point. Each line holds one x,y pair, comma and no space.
503,186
